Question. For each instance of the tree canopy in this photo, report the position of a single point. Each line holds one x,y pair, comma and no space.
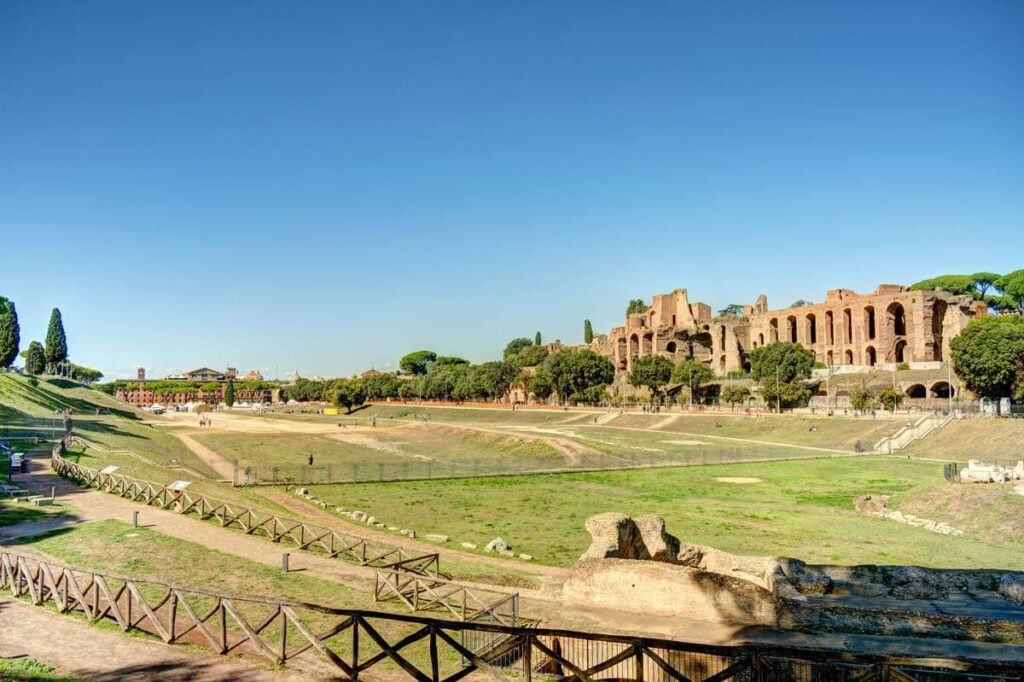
636,305
417,361
588,332
229,393
10,333
779,368
652,372
531,356
692,374
515,345
988,356
56,350
731,310
984,281
536,339
734,395
348,393
1012,286
574,371
445,360
35,361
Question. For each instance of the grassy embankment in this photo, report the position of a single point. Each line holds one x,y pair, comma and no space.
119,549
802,509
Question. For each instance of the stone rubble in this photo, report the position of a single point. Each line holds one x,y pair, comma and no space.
874,505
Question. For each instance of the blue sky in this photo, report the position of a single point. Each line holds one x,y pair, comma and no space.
324,186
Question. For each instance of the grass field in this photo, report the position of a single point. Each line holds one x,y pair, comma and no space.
119,549
984,439
802,509
12,512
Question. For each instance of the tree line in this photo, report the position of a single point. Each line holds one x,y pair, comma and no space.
1002,293
50,357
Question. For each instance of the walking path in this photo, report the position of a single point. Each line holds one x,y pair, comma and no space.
78,649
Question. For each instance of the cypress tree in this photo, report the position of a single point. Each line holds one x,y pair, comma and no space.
56,350
229,393
536,339
35,361
588,332
10,333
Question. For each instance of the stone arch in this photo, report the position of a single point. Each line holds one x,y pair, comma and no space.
848,357
634,347
812,329
747,366
621,352
869,322
721,338
791,328
721,363
647,344
899,351
916,391
828,358
774,329
938,319
670,347
848,325
942,389
830,328
760,339
896,319
870,356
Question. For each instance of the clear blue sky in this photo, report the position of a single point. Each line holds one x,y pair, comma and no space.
323,186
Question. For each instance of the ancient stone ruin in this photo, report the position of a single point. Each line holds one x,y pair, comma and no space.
634,564
979,472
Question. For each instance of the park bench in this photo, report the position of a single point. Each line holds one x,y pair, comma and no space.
40,500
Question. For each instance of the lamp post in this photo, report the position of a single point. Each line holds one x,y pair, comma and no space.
778,392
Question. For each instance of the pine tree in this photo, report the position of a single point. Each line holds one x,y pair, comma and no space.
10,334
536,339
35,361
56,350
588,332
229,393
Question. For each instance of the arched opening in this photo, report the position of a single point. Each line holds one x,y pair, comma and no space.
848,357
870,357
916,391
938,318
774,329
634,347
828,359
721,363
830,329
812,329
721,338
900,351
760,339
670,347
942,389
869,322
647,346
848,325
747,366
897,319
791,326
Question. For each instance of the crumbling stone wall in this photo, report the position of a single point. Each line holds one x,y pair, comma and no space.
890,325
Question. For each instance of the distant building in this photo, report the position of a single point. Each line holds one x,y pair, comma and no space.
143,393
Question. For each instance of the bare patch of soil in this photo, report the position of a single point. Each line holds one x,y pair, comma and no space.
739,479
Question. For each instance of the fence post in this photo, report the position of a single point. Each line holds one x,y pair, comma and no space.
284,562
135,519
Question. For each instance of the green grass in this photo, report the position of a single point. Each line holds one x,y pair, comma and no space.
29,670
802,509
12,513
477,415
841,433
119,549
989,440
412,443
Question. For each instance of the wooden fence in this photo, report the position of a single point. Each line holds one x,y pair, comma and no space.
351,642
425,593
274,527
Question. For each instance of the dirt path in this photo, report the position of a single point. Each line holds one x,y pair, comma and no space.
223,467
109,656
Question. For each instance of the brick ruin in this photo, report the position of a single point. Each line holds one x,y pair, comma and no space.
891,325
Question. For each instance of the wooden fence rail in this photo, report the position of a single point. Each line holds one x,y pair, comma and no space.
434,650
251,521
426,593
